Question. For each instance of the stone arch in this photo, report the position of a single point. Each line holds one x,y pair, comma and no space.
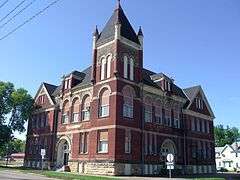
168,147
63,150
103,88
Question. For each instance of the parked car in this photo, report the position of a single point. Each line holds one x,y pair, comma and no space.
238,170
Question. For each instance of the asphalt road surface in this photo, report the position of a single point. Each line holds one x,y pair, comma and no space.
13,175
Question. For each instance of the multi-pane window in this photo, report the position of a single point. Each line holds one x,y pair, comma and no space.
105,68
128,94
103,142
128,141
176,117
86,108
75,110
146,143
167,118
104,103
128,68
158,112
148,109
84,138
193,124
65,112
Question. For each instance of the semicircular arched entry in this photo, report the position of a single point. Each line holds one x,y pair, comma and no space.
63,150
168,147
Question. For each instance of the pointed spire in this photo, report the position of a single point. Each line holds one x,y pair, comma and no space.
140,33
96,32
118,5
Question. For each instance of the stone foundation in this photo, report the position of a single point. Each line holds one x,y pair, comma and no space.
116,169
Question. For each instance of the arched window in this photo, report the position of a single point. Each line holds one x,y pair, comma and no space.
103,68
168,147
158,112
65,112
75,111
148,109
106,67
109,66
125,60
176,117
167,117
104,102
128,107
131,69
128,68
86,108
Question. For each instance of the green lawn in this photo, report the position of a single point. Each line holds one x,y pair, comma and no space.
58,175
209,179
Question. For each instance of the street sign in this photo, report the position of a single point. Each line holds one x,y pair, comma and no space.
170,167
43,153
170,157
170,164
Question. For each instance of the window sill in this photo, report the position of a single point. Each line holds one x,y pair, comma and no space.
84,153
86,120
103,117
102,152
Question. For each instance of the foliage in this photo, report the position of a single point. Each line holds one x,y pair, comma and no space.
226,135
16,104
13,146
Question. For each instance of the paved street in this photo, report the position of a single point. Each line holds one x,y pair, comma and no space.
13,175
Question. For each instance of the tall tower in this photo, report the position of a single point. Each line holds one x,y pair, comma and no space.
118,42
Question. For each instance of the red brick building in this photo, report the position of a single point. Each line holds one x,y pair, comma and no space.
118,118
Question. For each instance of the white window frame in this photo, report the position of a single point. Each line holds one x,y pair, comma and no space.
106,112
75,117
125,62
65,118
131,69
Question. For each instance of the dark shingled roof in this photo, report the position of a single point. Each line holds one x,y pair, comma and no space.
190,92
85,75
177,91
127,30
50,88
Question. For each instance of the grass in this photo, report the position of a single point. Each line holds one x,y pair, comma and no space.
58,175
209,179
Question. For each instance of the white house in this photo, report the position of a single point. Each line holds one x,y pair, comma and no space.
228,157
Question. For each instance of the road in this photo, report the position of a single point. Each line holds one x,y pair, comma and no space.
14,175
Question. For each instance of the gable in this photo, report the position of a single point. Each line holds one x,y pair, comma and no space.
197,93
204,110
43,98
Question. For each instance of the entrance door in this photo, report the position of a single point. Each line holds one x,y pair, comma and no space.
65,161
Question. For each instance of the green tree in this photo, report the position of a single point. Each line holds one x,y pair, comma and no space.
13,146
16,104
226,135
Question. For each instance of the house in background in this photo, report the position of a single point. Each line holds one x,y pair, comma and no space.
228,157
118,118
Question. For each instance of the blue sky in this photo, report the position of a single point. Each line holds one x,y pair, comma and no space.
195,42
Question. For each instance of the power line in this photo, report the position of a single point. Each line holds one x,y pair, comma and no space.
18,13
13,10
29,20
4,3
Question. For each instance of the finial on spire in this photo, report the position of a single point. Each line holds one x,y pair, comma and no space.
96,32
118,4
140,33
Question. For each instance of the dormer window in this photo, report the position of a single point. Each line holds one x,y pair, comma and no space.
67,84
199,103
